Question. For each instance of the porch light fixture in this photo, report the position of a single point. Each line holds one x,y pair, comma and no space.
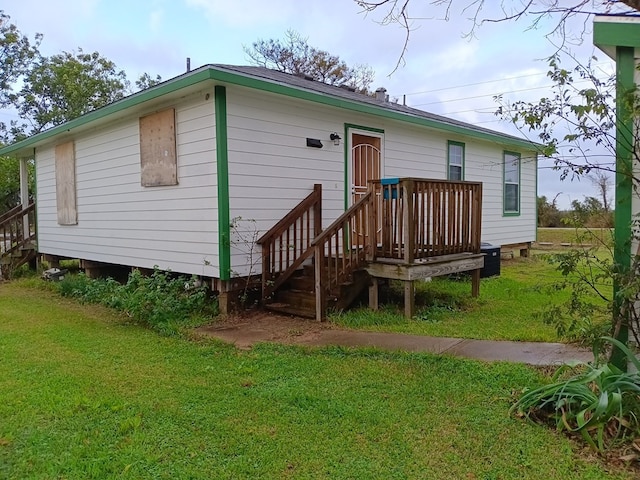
335,138
314,142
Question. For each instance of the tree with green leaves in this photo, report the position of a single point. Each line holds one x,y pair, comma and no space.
294,55
145,81
17,52
48,91
62,87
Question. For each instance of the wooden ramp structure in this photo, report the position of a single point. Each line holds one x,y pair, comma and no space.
404,229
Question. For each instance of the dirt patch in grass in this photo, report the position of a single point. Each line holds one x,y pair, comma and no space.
261,326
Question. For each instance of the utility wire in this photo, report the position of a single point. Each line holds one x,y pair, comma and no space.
518,77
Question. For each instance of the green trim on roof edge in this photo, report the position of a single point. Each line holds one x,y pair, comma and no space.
128,102
293,92
212,73
615,33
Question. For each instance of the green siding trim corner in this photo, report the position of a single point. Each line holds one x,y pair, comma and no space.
625,88
222,162
536,194
625,67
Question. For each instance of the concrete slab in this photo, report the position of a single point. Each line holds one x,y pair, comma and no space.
264,327
532,353
386,341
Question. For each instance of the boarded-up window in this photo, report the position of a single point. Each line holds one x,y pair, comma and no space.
66,184
158,149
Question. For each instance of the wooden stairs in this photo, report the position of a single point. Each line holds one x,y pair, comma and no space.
294,248
297,295
17,239
404,229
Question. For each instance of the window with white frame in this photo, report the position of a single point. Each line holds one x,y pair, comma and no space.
455,160
511,183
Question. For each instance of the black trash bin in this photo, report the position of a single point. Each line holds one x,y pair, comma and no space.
491,260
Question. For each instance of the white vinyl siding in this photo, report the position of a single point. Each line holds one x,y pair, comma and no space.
271,169
122,222
422,153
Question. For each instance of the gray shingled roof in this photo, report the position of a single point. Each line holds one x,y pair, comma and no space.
264,75
290,80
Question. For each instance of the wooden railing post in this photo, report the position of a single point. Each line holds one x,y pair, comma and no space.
319,282
409,228
317,210
372,227
292,235
477,218
266,269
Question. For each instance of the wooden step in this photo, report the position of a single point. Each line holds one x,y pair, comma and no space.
303,283
291,310
298,298
294,302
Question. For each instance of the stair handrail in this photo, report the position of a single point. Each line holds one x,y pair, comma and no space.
287,244
10,213
13,226
343,247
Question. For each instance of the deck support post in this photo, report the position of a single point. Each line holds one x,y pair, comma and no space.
475,283
409,299
373,294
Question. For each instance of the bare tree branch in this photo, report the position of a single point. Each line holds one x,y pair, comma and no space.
562,11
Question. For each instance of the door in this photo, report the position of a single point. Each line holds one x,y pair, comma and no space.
366,164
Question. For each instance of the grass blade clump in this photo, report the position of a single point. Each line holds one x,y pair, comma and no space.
599,401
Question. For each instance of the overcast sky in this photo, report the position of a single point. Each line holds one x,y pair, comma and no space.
443,72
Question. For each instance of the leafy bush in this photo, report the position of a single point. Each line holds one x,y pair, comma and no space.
161,300
600,401
587,276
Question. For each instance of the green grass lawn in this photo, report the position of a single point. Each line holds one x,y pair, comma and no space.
506,309
84,394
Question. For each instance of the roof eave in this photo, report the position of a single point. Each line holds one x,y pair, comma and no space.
208,72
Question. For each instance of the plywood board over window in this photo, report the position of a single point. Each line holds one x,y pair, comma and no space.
66,184
158,163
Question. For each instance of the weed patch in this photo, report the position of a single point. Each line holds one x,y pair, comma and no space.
163,301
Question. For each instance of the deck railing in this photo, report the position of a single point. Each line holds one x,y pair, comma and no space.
404,219
341,249
288,243
419,218
17,229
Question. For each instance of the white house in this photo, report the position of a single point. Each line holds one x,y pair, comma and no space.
166,176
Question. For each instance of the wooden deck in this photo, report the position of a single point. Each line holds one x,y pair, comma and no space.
422,269
406,229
